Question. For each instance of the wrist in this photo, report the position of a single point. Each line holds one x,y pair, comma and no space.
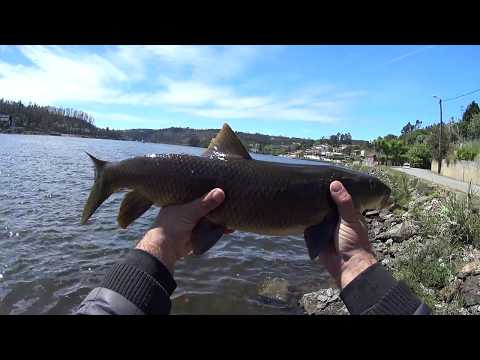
154,242
354,266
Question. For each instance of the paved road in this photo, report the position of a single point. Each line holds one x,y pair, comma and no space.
438,179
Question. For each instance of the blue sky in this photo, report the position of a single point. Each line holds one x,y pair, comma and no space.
305,91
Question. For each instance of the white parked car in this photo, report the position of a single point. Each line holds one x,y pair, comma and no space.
406,165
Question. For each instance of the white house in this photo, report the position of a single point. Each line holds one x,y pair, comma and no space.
6,120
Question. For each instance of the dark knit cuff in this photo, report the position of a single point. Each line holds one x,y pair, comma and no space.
375,291
144,281
142,260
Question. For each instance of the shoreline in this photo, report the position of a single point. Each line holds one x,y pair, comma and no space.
421,240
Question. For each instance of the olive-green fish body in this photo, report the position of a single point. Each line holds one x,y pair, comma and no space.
261,197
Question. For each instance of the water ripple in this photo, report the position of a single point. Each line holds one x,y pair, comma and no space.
49,262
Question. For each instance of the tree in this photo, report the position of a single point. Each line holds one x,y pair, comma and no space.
407,129
433,142
390,137
464,125
393,150
474,126
333,140
419,155
397,150
471,110
194,140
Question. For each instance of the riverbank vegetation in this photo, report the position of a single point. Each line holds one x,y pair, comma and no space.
418,145
446,237
35,119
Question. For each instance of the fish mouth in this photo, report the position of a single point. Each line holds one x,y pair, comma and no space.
386,202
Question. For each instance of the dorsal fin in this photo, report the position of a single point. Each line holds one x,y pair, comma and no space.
228,144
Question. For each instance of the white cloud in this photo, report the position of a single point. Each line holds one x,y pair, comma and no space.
124,121
192,80
207,62
59,76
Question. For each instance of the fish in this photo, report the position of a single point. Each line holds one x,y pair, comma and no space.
261,197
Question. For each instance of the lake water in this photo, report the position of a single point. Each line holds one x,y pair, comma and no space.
49,262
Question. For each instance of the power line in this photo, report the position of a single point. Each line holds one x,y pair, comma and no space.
458,97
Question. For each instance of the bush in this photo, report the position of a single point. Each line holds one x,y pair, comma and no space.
463,220
425,267
468,151
419,155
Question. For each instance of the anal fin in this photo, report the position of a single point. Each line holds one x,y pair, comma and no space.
133,206
319,238
205,235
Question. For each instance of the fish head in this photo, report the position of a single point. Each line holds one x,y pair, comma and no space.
368,192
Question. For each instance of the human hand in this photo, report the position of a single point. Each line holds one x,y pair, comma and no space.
169,239
351,251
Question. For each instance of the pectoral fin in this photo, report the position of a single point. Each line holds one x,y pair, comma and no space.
320,237
133,206
205,235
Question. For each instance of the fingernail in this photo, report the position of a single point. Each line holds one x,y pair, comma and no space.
213,196
336,187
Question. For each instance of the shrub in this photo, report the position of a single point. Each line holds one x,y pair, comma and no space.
468,151
463,221
425,267
420,156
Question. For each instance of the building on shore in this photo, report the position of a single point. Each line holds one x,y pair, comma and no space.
7,121
371,160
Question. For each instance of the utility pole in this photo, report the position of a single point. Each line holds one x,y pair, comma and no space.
440,137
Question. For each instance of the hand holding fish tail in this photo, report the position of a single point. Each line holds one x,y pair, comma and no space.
170,238
350,253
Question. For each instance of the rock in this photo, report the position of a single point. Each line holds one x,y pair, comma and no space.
399,232
383,214
474,310
471,291
472,268
372,213
323,302
389,242
451,309
383,236
386,261
275,289
448,292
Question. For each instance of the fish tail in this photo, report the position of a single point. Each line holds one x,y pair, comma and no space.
100,190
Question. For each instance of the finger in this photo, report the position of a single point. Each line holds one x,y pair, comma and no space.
344,201
188,248
197,209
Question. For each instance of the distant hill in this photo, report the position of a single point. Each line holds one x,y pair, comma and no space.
201,138
35,119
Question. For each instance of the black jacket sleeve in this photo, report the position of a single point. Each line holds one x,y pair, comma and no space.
376,292
139,285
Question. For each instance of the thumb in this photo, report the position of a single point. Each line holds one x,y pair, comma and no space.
344,201
201,207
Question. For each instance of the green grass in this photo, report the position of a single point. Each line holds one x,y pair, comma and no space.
428,266
401,185
468,151
463,220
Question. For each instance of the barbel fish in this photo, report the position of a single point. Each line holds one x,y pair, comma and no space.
260,197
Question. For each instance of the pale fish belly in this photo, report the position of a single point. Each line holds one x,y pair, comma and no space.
285,231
